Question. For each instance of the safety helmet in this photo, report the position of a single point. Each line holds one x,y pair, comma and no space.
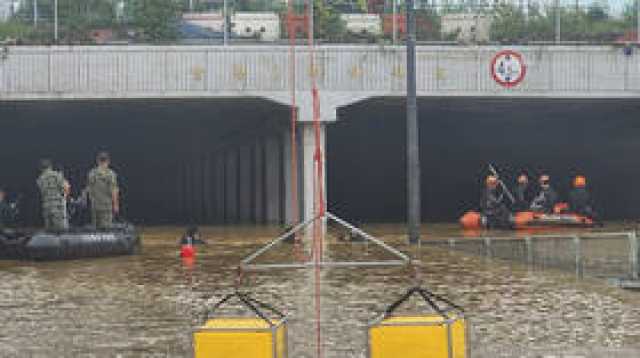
491,180
580,181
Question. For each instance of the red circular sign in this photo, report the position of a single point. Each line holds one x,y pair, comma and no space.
508,68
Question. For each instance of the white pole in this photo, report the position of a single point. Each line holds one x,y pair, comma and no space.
55,20
35,13
394,21
311,34
190,5
225,34
638,19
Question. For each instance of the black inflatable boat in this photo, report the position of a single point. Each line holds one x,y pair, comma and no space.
122,239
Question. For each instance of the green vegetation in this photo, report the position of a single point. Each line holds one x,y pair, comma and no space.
592,24
156,20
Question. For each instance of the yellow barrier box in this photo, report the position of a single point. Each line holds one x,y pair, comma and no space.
439,333
424,336
241,338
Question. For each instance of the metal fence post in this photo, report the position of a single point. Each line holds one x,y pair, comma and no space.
487,246
578,250
634,255
529,247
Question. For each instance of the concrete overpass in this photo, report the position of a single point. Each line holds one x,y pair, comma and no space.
245,177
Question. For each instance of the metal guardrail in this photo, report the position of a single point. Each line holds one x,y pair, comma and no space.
612,255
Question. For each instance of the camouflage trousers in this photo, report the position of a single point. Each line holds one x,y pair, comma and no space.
102,219
55,217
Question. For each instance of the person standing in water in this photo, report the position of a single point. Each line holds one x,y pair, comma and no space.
53,190
102,187
492,205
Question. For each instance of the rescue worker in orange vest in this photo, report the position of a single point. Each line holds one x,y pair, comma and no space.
580,199
547,198
492,205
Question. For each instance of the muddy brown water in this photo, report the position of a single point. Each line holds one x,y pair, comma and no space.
148,305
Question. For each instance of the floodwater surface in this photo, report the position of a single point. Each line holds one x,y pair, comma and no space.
148,305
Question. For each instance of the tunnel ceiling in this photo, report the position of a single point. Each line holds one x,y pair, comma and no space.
459,136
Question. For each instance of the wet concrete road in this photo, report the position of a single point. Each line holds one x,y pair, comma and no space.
147,305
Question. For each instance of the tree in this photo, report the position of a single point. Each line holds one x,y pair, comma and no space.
509,24
157,20
79,17
327,23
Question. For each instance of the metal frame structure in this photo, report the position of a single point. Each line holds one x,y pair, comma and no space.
248,264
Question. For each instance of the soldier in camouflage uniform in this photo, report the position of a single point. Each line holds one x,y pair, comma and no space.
102,186
52,187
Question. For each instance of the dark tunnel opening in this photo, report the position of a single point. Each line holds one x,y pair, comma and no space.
149,141
460,136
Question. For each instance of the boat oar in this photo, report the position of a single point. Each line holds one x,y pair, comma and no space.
504,187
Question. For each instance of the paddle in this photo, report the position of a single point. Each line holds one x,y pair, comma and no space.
504,187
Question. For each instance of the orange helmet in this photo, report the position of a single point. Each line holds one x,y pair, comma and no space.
491,180
580,181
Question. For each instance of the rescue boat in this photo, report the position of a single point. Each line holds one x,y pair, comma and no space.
122,239
473,220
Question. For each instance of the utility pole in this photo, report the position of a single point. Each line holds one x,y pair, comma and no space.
413,134
55,21
557,6
35,13
225,23
395,36
311,11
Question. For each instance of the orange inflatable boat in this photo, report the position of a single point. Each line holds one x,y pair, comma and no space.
529,219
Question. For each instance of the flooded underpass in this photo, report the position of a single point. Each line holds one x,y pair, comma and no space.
147,305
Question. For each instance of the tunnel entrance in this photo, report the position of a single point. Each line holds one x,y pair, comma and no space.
459,136
150,142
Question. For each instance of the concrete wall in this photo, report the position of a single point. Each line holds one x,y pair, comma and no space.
344,73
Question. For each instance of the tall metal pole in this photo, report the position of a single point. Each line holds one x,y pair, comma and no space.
395,36
311,22
413,135
35,13
557,6
225,23
638,21
55,20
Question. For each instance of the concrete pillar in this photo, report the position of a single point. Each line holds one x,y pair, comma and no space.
177,199
273,170
188,189
258,182
287,154
196,195
219,175
309,169
244,181
207,192
231,187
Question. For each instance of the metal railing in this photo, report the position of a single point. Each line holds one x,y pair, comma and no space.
610,255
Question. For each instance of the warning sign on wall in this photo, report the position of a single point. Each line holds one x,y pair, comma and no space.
508,68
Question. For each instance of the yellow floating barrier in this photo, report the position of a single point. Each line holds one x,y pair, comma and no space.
242,337
441,334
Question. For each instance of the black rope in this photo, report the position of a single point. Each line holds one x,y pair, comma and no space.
253,304
429,297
